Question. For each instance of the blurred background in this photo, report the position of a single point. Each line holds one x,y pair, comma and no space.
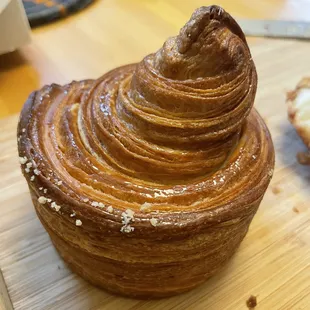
104,34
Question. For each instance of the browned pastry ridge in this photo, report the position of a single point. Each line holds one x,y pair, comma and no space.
298,103
147,179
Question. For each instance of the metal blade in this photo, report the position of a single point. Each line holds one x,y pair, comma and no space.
275,28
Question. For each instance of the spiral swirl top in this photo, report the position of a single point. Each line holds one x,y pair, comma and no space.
174,133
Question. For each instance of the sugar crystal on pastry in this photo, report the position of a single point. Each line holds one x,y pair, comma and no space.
42,200
78,223
23,160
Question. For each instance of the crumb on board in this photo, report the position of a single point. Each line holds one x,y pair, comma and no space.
295,210
276,189
251,302
303,158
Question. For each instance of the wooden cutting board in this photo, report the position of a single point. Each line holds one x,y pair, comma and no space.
273,262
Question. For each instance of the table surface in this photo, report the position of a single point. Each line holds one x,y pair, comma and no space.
273,261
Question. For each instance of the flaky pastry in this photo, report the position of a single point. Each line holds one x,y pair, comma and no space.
148,178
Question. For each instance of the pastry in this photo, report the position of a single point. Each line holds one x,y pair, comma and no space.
147,178
298,102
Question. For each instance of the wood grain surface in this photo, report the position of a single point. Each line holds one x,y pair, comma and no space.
5,301
273,262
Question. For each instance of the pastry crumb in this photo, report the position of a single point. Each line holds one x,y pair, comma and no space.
49,200
251,302
42,200
45,190
59,183
78,223
40,188
95,204
101,205
295,210
110,209
298,110
303,158
29,165
72,214
23,160
85,200
276,189
154,221
23,130
32,178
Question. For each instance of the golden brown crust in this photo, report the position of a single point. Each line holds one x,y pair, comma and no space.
148,178
298,102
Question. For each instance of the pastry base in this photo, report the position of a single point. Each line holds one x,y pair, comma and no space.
143,280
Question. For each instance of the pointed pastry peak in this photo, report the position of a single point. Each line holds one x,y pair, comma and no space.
210,43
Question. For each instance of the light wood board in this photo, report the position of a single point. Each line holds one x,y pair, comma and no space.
5,302
273,262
